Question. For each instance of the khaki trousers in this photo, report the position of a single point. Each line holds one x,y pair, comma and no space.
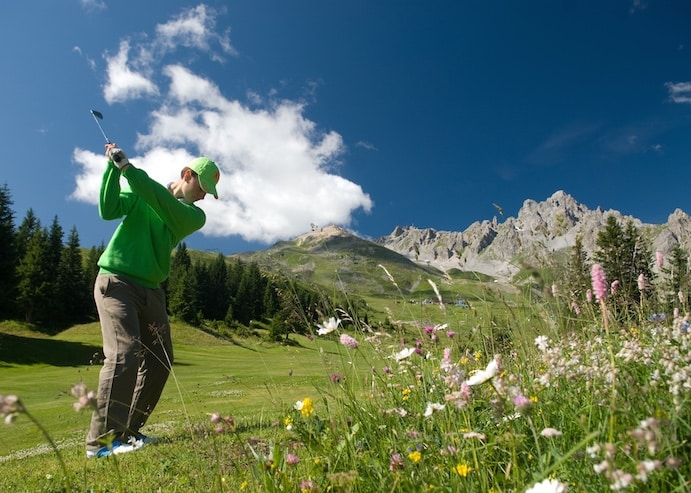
138,356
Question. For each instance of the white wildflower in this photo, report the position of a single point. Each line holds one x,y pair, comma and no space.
433,406
548,486
405,353
542,343
329,326
481,376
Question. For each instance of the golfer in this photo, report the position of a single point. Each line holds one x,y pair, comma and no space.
130,301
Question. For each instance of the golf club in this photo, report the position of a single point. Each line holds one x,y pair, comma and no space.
99,116
116,156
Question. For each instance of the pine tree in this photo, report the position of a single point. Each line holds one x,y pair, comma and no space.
217,297
675,288
248,302
53,311
73,292
29,227
33,272
182,302
91,269
578,273
8,256
181,287
624,254
271,302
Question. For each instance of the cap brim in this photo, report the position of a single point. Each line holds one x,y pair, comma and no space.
208,189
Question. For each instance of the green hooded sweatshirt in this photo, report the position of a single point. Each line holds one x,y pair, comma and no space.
155,222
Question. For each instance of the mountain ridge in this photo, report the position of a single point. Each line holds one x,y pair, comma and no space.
540,229
540,235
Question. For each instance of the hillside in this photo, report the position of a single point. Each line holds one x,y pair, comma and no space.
332,256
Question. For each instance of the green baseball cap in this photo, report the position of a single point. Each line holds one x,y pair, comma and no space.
208,174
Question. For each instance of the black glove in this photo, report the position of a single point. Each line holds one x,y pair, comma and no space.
118,157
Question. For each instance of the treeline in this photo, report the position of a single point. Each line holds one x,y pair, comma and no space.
43,280
233,294
48,282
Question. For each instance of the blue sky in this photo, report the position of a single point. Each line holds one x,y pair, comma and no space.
367,114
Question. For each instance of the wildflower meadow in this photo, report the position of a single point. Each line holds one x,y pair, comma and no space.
594,403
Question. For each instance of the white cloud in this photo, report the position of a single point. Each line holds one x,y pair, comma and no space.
90,61
123,82
366,145
679,92
194,28
277,167
91,5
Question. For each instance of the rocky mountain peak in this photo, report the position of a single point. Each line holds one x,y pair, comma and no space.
540,229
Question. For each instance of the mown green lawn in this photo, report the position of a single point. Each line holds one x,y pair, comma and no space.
243,378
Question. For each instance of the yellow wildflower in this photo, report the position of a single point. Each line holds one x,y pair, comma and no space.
463,469
478,356
307,408
415,456
464,360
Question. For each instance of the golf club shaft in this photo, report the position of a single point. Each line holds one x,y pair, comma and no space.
99,126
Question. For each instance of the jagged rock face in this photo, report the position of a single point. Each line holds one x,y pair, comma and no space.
541,228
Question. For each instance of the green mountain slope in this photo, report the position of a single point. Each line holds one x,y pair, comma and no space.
334,258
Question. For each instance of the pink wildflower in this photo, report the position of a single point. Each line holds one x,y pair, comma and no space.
522,403
461,397
589,295
450,334
292,459
597,274
614,286
346,340
659,258
396,462
641,282
307,485
474,434
85,398
555,291
446,363
576,308
550,432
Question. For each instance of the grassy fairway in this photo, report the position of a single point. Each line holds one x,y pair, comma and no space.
242,378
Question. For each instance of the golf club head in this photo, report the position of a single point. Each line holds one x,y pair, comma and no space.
99,116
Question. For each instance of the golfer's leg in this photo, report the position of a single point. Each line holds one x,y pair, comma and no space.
117,301
157,358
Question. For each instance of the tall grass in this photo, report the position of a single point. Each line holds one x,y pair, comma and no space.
524,402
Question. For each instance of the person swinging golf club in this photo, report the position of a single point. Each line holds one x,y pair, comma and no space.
131,303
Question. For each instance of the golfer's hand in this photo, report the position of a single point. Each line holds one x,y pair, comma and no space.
117,156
